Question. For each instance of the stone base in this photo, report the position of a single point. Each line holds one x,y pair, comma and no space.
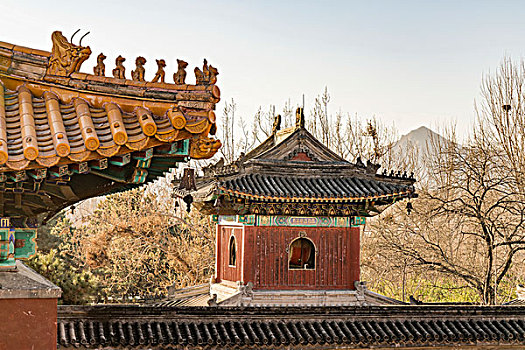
230,294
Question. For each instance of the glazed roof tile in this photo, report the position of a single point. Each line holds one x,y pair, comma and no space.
291,328
77,131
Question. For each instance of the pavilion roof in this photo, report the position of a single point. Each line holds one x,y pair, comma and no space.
289,188
292,166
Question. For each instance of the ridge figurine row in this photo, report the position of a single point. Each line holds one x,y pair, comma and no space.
206,76
66,58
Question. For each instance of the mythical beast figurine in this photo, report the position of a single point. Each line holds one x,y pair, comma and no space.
66,57
204,147
206,76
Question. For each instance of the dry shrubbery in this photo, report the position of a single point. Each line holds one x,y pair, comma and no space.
135,247
142,247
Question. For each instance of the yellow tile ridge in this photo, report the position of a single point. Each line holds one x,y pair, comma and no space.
215,91
6,45
24,49
31,51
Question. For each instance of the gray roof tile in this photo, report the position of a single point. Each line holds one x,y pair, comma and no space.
264,185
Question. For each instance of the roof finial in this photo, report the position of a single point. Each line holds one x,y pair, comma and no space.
299,118
276,124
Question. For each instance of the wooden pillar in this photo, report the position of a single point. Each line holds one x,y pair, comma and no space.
354,270
218,254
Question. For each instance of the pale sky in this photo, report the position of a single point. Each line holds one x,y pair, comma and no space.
410,63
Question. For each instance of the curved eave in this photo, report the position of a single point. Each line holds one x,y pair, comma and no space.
143,124
265,198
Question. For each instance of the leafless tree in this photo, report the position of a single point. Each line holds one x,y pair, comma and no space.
501,114
228,129
469,225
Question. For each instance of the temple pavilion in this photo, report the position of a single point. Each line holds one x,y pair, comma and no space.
289,217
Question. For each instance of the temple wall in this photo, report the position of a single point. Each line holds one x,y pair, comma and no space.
225,271
266,258
28,324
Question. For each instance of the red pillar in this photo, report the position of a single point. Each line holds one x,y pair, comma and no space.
355,250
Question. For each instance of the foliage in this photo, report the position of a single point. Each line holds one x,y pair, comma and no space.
132,247
79,285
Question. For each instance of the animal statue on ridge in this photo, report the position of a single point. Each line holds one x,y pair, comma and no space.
206,76
100,68
119,71
180,77
276,124
138,73
66,57
159,76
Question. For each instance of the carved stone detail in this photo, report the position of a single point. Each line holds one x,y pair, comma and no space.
159,76
66,58
213,300
361,289
180,77
119,71
100,68
204,148
246,290
206,76
138,73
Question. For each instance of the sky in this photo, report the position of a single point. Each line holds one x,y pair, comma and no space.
408,63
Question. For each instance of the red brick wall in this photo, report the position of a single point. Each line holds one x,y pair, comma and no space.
266,258
28,324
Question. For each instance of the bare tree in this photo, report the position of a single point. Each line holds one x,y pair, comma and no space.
349,136
468,226
228,125
501,114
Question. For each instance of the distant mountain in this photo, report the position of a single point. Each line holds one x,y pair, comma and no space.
416,148
422,139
